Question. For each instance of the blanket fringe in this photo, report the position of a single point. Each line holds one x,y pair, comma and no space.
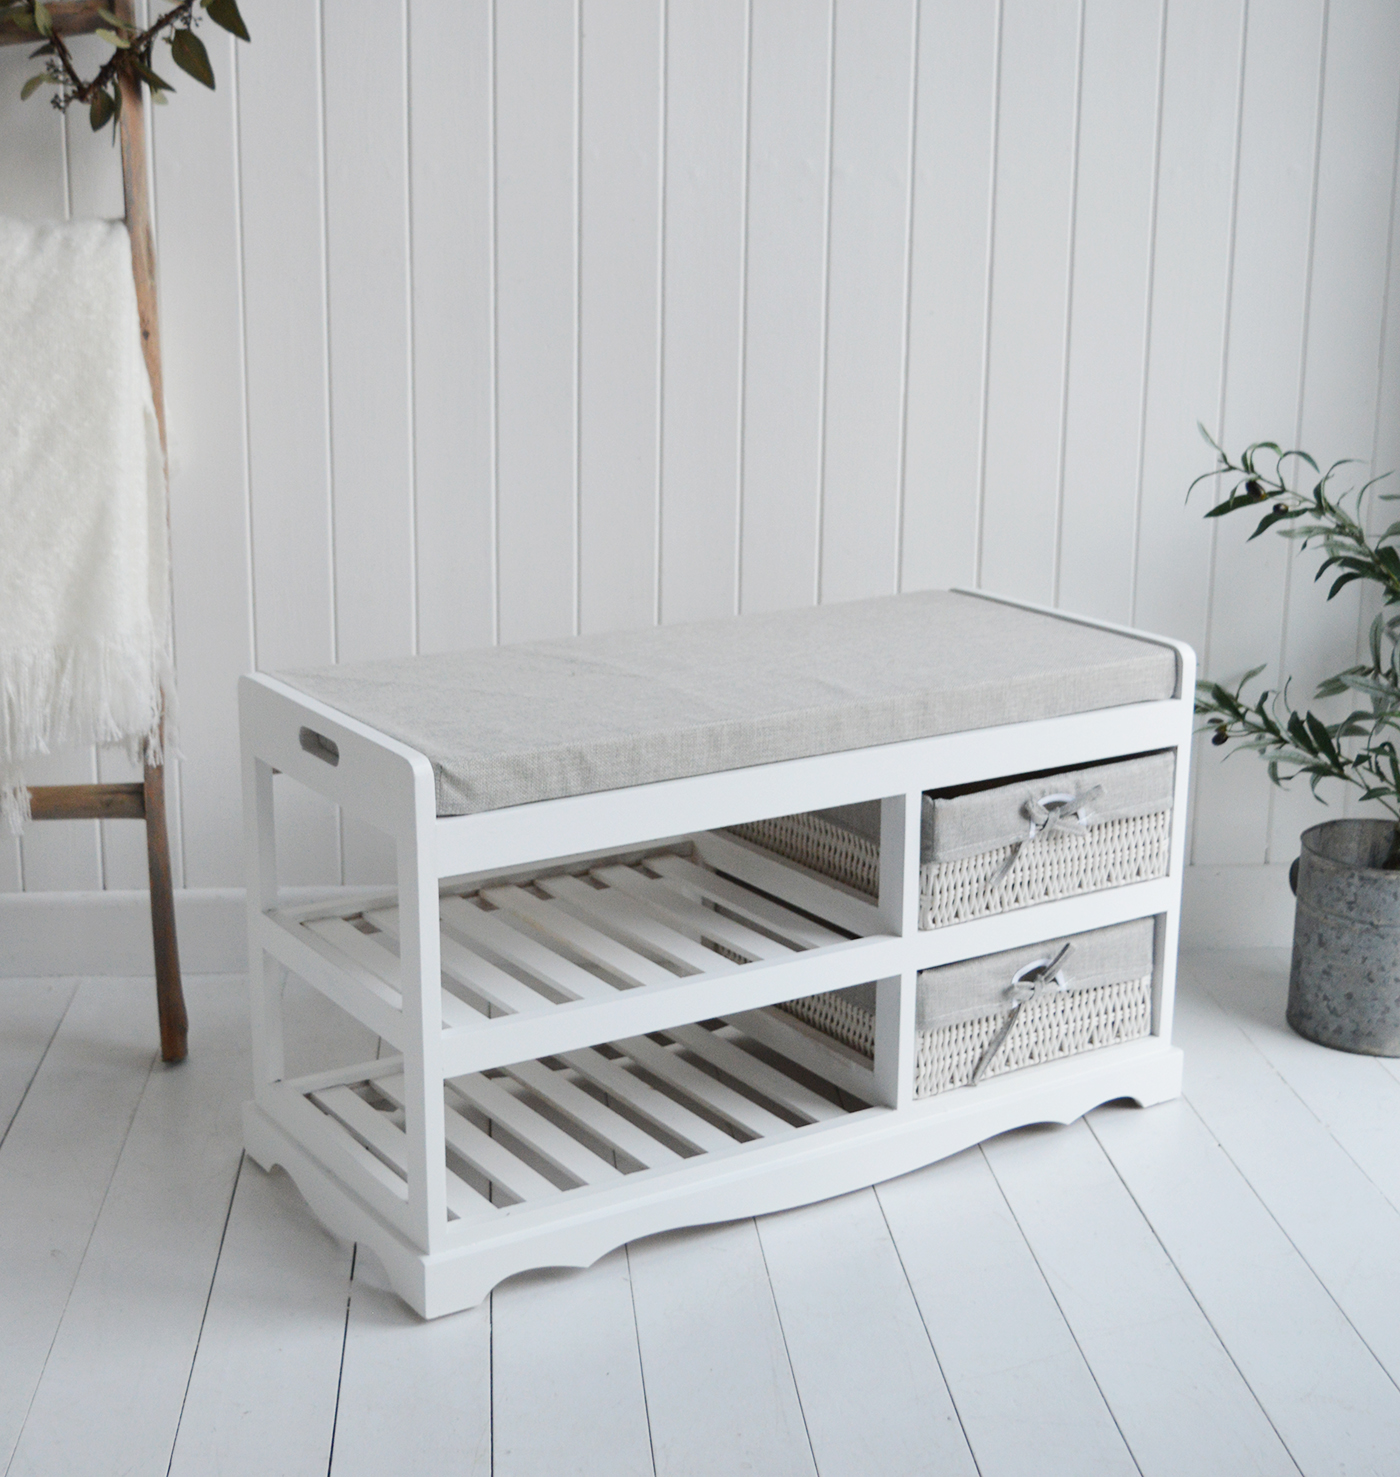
14,802
89,693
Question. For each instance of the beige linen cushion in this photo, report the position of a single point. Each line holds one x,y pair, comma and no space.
512,724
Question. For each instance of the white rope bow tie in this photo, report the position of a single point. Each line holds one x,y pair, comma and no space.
1037,980
1049,816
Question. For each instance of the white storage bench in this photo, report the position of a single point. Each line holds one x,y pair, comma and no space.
613,991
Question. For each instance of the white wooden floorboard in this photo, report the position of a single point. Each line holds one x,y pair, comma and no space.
262,1395
415,1397
1330,1401
719,1386
567,1384
1357,1097
31,1012
275,1326
867,1376
55,1166
115,1378
1179,1401
1028,1402
1291,1162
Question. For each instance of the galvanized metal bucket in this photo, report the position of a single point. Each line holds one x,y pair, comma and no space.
1344,990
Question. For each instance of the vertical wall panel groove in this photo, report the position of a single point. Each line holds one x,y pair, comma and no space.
1034,181
908,274
451,191
578,318
324,174
706,84
1070,253
537,298
872,101
986,366
495,337
742,365
954,159
829,164
659,252
367,224
1147,309
619,310
784,299
1105,363
410,324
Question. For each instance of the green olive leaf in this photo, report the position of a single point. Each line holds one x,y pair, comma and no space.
100,110
225,13
190,56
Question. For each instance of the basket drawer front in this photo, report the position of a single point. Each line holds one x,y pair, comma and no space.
1011,844
1100,995
1032,840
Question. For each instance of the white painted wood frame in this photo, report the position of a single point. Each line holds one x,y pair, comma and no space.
470,968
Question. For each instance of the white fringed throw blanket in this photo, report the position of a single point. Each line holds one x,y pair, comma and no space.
84,561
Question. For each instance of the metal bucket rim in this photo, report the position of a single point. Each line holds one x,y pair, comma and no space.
1307,844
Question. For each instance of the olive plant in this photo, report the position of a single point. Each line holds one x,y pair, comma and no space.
1358,749
132,52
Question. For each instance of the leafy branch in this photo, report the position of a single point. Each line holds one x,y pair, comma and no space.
1359,750
131,53
1340,534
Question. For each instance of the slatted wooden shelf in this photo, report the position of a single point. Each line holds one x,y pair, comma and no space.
538,1132
572,946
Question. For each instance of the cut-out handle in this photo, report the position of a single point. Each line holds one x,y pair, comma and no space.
319,746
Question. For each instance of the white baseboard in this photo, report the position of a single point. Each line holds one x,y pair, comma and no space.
109,933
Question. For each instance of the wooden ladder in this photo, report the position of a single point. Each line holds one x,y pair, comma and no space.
143,799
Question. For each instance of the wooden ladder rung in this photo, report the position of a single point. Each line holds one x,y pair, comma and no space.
68,17
112,802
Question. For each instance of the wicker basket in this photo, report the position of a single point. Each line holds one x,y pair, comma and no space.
982,851
1106,998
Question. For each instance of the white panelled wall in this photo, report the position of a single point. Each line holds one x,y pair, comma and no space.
486,322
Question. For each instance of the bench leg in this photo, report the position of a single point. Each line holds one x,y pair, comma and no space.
170,999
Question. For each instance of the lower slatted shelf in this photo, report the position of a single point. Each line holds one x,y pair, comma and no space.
537,1131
